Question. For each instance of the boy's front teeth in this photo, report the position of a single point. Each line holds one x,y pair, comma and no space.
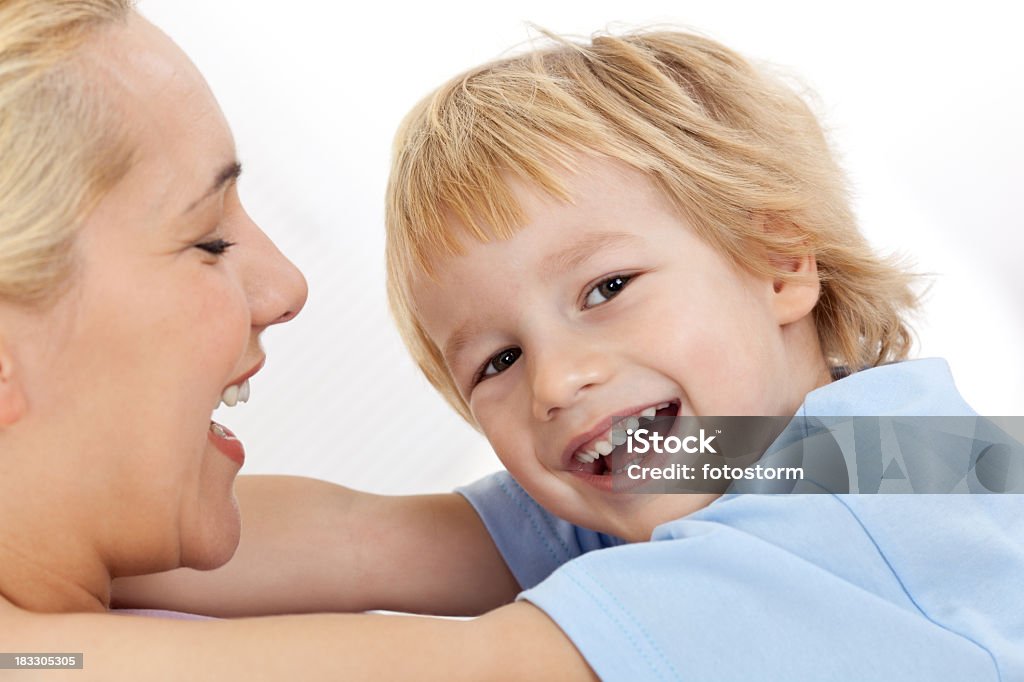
617,437
236,394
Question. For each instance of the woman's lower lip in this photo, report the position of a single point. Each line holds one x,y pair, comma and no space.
227,442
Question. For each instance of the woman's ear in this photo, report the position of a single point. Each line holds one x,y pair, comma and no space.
794,297
12,397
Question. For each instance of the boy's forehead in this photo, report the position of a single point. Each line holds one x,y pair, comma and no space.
587,187
606,208
605,204
586,182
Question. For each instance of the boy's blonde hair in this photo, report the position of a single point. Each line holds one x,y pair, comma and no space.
738,153
61,148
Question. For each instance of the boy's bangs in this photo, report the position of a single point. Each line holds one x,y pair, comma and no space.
458,151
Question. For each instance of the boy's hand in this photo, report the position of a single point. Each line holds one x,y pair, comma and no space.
310,546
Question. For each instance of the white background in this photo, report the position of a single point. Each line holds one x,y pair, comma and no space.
924,103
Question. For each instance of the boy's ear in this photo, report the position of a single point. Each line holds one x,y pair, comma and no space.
793,298
12,397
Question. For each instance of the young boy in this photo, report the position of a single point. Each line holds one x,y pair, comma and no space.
646,226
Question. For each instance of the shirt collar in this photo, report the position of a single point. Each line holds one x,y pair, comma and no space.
910,388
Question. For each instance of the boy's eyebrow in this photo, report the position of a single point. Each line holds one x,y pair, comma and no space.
579,252
560,261
457,341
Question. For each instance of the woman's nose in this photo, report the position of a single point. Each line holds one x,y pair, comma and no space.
562,372
276,288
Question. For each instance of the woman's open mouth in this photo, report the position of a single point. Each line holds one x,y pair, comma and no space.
227,442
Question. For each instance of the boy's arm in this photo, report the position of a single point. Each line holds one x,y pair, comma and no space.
312,546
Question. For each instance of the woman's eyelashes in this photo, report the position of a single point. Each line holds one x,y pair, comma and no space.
215,247
605,290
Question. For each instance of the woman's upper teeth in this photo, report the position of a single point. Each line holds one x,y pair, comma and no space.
233,395
615,437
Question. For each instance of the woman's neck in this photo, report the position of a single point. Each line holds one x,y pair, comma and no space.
42,574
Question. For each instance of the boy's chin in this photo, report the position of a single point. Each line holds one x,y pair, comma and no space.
645,513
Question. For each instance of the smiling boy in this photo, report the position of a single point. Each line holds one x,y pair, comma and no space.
609,306
650,223
643,225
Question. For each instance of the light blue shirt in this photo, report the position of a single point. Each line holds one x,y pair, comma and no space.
789,587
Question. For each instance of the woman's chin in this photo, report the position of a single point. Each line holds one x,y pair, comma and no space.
215,542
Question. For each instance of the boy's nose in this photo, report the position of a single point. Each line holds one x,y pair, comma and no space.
562,377
276,288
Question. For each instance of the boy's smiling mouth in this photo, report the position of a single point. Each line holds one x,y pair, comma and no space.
594,451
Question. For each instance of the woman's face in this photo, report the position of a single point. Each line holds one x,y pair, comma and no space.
172,287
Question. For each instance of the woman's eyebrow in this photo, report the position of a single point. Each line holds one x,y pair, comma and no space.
580,251
227,174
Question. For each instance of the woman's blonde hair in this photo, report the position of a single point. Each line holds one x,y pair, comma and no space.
60,143
738,153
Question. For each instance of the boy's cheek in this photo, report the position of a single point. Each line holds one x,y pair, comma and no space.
516,452
496,436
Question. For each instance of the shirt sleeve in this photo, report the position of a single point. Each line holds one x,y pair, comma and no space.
711,597
532,541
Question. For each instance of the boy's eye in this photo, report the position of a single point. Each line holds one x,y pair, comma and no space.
500,362
216,247
606,290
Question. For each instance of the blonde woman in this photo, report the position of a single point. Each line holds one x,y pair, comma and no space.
133,293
